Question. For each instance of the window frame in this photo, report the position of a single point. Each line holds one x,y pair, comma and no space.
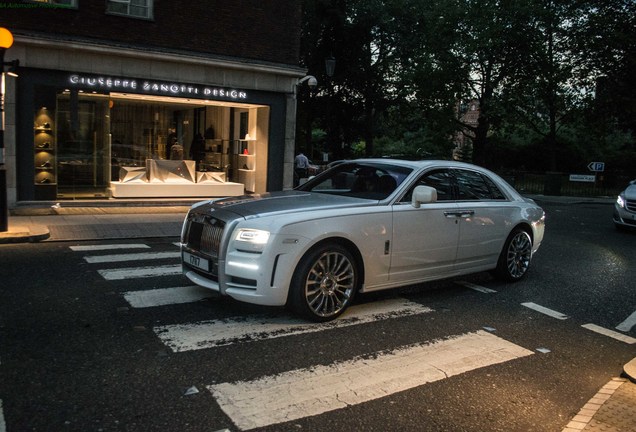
71,4
149,9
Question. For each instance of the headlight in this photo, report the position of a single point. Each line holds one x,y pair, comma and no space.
620,201
253,236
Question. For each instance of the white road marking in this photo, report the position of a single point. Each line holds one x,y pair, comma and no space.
545,310
100,259
140,272
3,425
109,247
475,287
167,296
610,333
312,391
208,334
627,325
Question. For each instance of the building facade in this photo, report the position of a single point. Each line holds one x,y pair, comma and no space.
150,98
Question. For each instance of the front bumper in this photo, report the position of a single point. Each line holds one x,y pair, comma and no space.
261,279
623,217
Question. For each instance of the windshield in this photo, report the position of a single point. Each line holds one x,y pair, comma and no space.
375,181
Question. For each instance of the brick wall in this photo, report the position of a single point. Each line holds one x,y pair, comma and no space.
262,30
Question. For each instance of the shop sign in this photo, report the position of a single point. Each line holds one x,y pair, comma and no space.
154,87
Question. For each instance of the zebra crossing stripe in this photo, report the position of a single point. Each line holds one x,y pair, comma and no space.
139,272
101,259
167,296
87,248
318,389
209,334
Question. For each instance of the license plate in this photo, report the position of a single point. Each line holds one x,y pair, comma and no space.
196,261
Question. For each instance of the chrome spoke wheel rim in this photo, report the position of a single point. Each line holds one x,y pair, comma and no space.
519,254
330,284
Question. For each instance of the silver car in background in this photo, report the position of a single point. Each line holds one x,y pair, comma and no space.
625,207
361,226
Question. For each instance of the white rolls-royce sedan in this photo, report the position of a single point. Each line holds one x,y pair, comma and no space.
361,226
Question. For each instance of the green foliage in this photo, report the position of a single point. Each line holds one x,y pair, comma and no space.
553,80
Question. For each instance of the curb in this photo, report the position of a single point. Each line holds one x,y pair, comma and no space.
20,234
629,370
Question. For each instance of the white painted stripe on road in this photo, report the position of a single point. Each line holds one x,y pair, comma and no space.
475,287
628,323
610,333
109,247
312,391
208,334
167,296
3,425
140,272
545,310
100,259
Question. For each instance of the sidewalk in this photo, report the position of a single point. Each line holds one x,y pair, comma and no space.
613,408
95,221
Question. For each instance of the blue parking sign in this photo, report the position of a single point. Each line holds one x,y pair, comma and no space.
596,166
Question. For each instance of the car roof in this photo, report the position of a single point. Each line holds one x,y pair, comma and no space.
418,164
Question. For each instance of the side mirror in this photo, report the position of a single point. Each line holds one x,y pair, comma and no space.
423,195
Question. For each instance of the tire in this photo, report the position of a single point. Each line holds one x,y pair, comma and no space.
515,256
324,283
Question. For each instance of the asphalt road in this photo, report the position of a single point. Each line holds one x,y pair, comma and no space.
98,338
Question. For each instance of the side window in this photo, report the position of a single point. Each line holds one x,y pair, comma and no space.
131,8
472,186
441,180
495,192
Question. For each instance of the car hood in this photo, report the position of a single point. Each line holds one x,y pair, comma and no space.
257,205
630,192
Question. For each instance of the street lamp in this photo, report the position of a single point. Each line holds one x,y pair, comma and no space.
6,40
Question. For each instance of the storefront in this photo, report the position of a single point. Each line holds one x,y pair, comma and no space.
103,136
102,122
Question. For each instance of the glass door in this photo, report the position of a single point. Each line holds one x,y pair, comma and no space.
83,145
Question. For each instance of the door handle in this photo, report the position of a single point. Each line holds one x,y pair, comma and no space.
459,214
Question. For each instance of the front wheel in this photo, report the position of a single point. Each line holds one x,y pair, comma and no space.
324,283
514,260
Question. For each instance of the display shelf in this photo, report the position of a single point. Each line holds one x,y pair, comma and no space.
247,164
44,158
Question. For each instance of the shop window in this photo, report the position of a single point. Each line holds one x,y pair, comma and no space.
131,8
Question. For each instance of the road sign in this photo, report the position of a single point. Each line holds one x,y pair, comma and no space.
596,166
587,178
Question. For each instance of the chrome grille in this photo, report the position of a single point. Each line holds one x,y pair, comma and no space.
211,240
630,205
204,235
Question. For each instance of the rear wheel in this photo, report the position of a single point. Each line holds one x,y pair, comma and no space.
515,257
324,283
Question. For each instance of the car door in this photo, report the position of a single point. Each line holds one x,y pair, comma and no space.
425,239
485,216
